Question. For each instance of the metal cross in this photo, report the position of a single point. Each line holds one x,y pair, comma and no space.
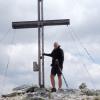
40,25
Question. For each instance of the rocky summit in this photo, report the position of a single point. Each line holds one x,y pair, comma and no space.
36,93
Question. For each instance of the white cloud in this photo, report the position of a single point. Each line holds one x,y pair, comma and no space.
95,70
69,56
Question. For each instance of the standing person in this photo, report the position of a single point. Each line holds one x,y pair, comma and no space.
57,65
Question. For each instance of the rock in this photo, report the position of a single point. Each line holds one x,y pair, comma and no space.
40,90
13,94
89,92
96,98
22,87
31,89
86,91
25,88
36,93
33,98
98,92
82,86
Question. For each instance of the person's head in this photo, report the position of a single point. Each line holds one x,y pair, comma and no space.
56,45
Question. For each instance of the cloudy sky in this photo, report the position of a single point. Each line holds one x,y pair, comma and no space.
19,47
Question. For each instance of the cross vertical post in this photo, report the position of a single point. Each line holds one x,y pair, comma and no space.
42,18
39,51
40,44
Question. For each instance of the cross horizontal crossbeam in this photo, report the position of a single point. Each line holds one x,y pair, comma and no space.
36,24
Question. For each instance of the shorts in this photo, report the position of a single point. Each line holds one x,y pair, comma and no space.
56,70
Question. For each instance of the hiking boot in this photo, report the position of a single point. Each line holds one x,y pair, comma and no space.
53,90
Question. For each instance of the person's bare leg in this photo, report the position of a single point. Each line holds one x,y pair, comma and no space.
52,81
59,81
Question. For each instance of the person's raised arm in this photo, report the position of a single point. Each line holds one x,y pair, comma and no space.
47,54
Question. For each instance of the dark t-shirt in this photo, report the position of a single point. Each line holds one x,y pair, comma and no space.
57,54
